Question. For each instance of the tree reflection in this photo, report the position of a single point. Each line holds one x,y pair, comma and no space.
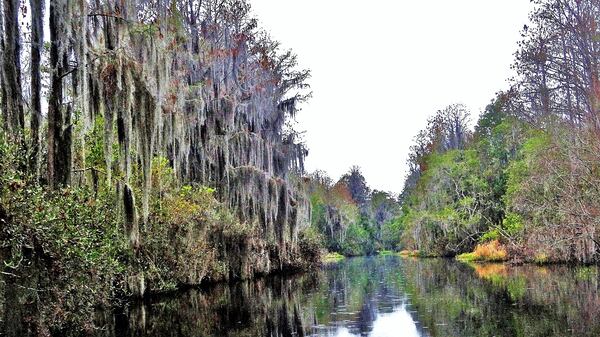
380,297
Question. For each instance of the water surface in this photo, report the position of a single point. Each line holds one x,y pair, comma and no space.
381,297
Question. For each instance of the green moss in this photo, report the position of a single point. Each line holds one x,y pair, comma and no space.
467,257
386,253
332,257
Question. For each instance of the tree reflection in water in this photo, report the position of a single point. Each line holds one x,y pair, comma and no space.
385,296
381,297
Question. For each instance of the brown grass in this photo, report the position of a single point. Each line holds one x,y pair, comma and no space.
492,251
410,253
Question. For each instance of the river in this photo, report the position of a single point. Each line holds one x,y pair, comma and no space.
380,297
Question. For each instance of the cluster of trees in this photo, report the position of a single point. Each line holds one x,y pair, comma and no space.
454,191
144,145
529,174
349,217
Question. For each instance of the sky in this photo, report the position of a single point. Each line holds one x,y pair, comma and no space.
380,68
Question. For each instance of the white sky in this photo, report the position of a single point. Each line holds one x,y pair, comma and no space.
381,67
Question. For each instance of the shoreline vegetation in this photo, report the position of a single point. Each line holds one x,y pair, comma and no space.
165,157
523,185
332,257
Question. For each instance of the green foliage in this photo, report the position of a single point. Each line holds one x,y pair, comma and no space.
94,141
351,218
391,233
445,204
311,243
467,257
77,225
385,253
533,150
358,241
490,235
512,223
459,198
586,273
78,236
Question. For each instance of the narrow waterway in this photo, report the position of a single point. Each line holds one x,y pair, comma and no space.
380,297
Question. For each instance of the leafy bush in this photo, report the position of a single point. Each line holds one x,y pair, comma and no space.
177,244
311,245
391,232
357,241
66,249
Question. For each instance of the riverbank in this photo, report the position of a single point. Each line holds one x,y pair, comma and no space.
489,252
66,252
36,301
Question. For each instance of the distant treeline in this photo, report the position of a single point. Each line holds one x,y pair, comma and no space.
349,218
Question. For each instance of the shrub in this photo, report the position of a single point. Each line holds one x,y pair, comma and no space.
182,244
65,248
311,243
492,251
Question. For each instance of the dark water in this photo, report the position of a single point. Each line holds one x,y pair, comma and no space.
380,297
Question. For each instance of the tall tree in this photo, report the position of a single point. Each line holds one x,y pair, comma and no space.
557,63
3,105
357,185
59,128
12,69
37,42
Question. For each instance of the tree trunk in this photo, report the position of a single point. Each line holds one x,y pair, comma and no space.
59,128
37,42
12,69
3,106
